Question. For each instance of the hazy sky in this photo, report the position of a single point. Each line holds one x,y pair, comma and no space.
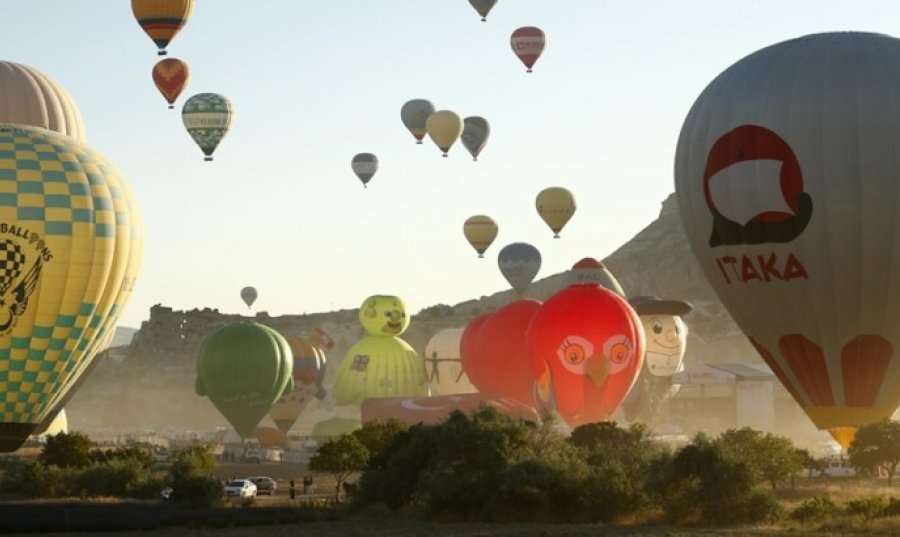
313,83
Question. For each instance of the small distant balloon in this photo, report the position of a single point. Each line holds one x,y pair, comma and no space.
162,19
480,230
555,205
476,131
444,128
249,295
171,75
414,115
528,44
519,263
207,118
364,166
483,7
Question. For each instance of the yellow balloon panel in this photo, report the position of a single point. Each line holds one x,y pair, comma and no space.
70,244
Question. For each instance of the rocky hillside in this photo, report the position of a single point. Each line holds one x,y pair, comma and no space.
149,383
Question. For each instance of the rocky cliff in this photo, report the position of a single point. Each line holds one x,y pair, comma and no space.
149,383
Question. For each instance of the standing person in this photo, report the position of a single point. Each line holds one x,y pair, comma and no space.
307,485
293,491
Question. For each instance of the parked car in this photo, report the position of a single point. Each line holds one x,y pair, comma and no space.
264,485
839,467
240,488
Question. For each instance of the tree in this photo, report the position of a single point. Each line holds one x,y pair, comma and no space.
192,479
67,450
769,457
341,457
378,436
877,446
810,463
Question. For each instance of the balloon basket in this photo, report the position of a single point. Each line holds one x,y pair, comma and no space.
555,235
444,155
480,256
418,142
161,53
483,19
529,70
207,159
171,107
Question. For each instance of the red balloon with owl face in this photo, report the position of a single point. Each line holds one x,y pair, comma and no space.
586,348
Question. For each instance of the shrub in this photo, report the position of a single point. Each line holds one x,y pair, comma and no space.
198,491
892,508
116,478
867,507
816,509
67,450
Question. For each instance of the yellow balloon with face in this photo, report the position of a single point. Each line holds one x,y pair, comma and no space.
383,315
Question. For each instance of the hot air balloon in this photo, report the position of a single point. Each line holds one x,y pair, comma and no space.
435,410
171,75
476,131
207,118
72,238
444,128
381,364
483,7
364,166
309,378
528,43
270,437
589,270
443,365
666,333
788,196
32,98
334,427
519,263
555,205
586,347
249,295
414,115
495,356
162,19
480,231
244,368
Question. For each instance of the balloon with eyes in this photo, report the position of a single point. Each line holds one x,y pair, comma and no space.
380,364
586,347
666,343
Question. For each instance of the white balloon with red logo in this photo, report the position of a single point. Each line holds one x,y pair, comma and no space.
788,179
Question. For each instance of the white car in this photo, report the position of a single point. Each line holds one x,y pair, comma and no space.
240,488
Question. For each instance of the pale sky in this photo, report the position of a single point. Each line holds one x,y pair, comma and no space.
314,83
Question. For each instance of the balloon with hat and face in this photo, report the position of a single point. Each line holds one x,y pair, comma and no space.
665,330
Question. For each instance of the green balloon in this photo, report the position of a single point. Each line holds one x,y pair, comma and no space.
244,369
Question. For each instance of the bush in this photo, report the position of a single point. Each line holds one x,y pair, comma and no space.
867,507
116,478
892,508
67,450
198,491
818,509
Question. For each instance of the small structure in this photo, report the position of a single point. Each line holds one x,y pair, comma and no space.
723,396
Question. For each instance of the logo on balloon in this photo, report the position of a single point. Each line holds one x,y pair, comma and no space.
16,288
753,186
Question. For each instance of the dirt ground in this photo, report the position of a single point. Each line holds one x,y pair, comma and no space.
363,528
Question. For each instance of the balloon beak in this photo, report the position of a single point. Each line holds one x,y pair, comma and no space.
598,369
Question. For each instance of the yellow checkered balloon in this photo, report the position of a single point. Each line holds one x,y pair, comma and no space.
70,248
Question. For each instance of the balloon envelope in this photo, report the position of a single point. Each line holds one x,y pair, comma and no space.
589,270
480,230
788,196
162,19
414,115
443,364
244,368
249,295
476,131
72,238
207,118
444,128
586,348
495,356
483,7
528,44
309,377
519,263
364,166
556,206
171,76
32,98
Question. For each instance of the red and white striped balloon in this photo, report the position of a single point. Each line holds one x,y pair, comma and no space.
528,43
